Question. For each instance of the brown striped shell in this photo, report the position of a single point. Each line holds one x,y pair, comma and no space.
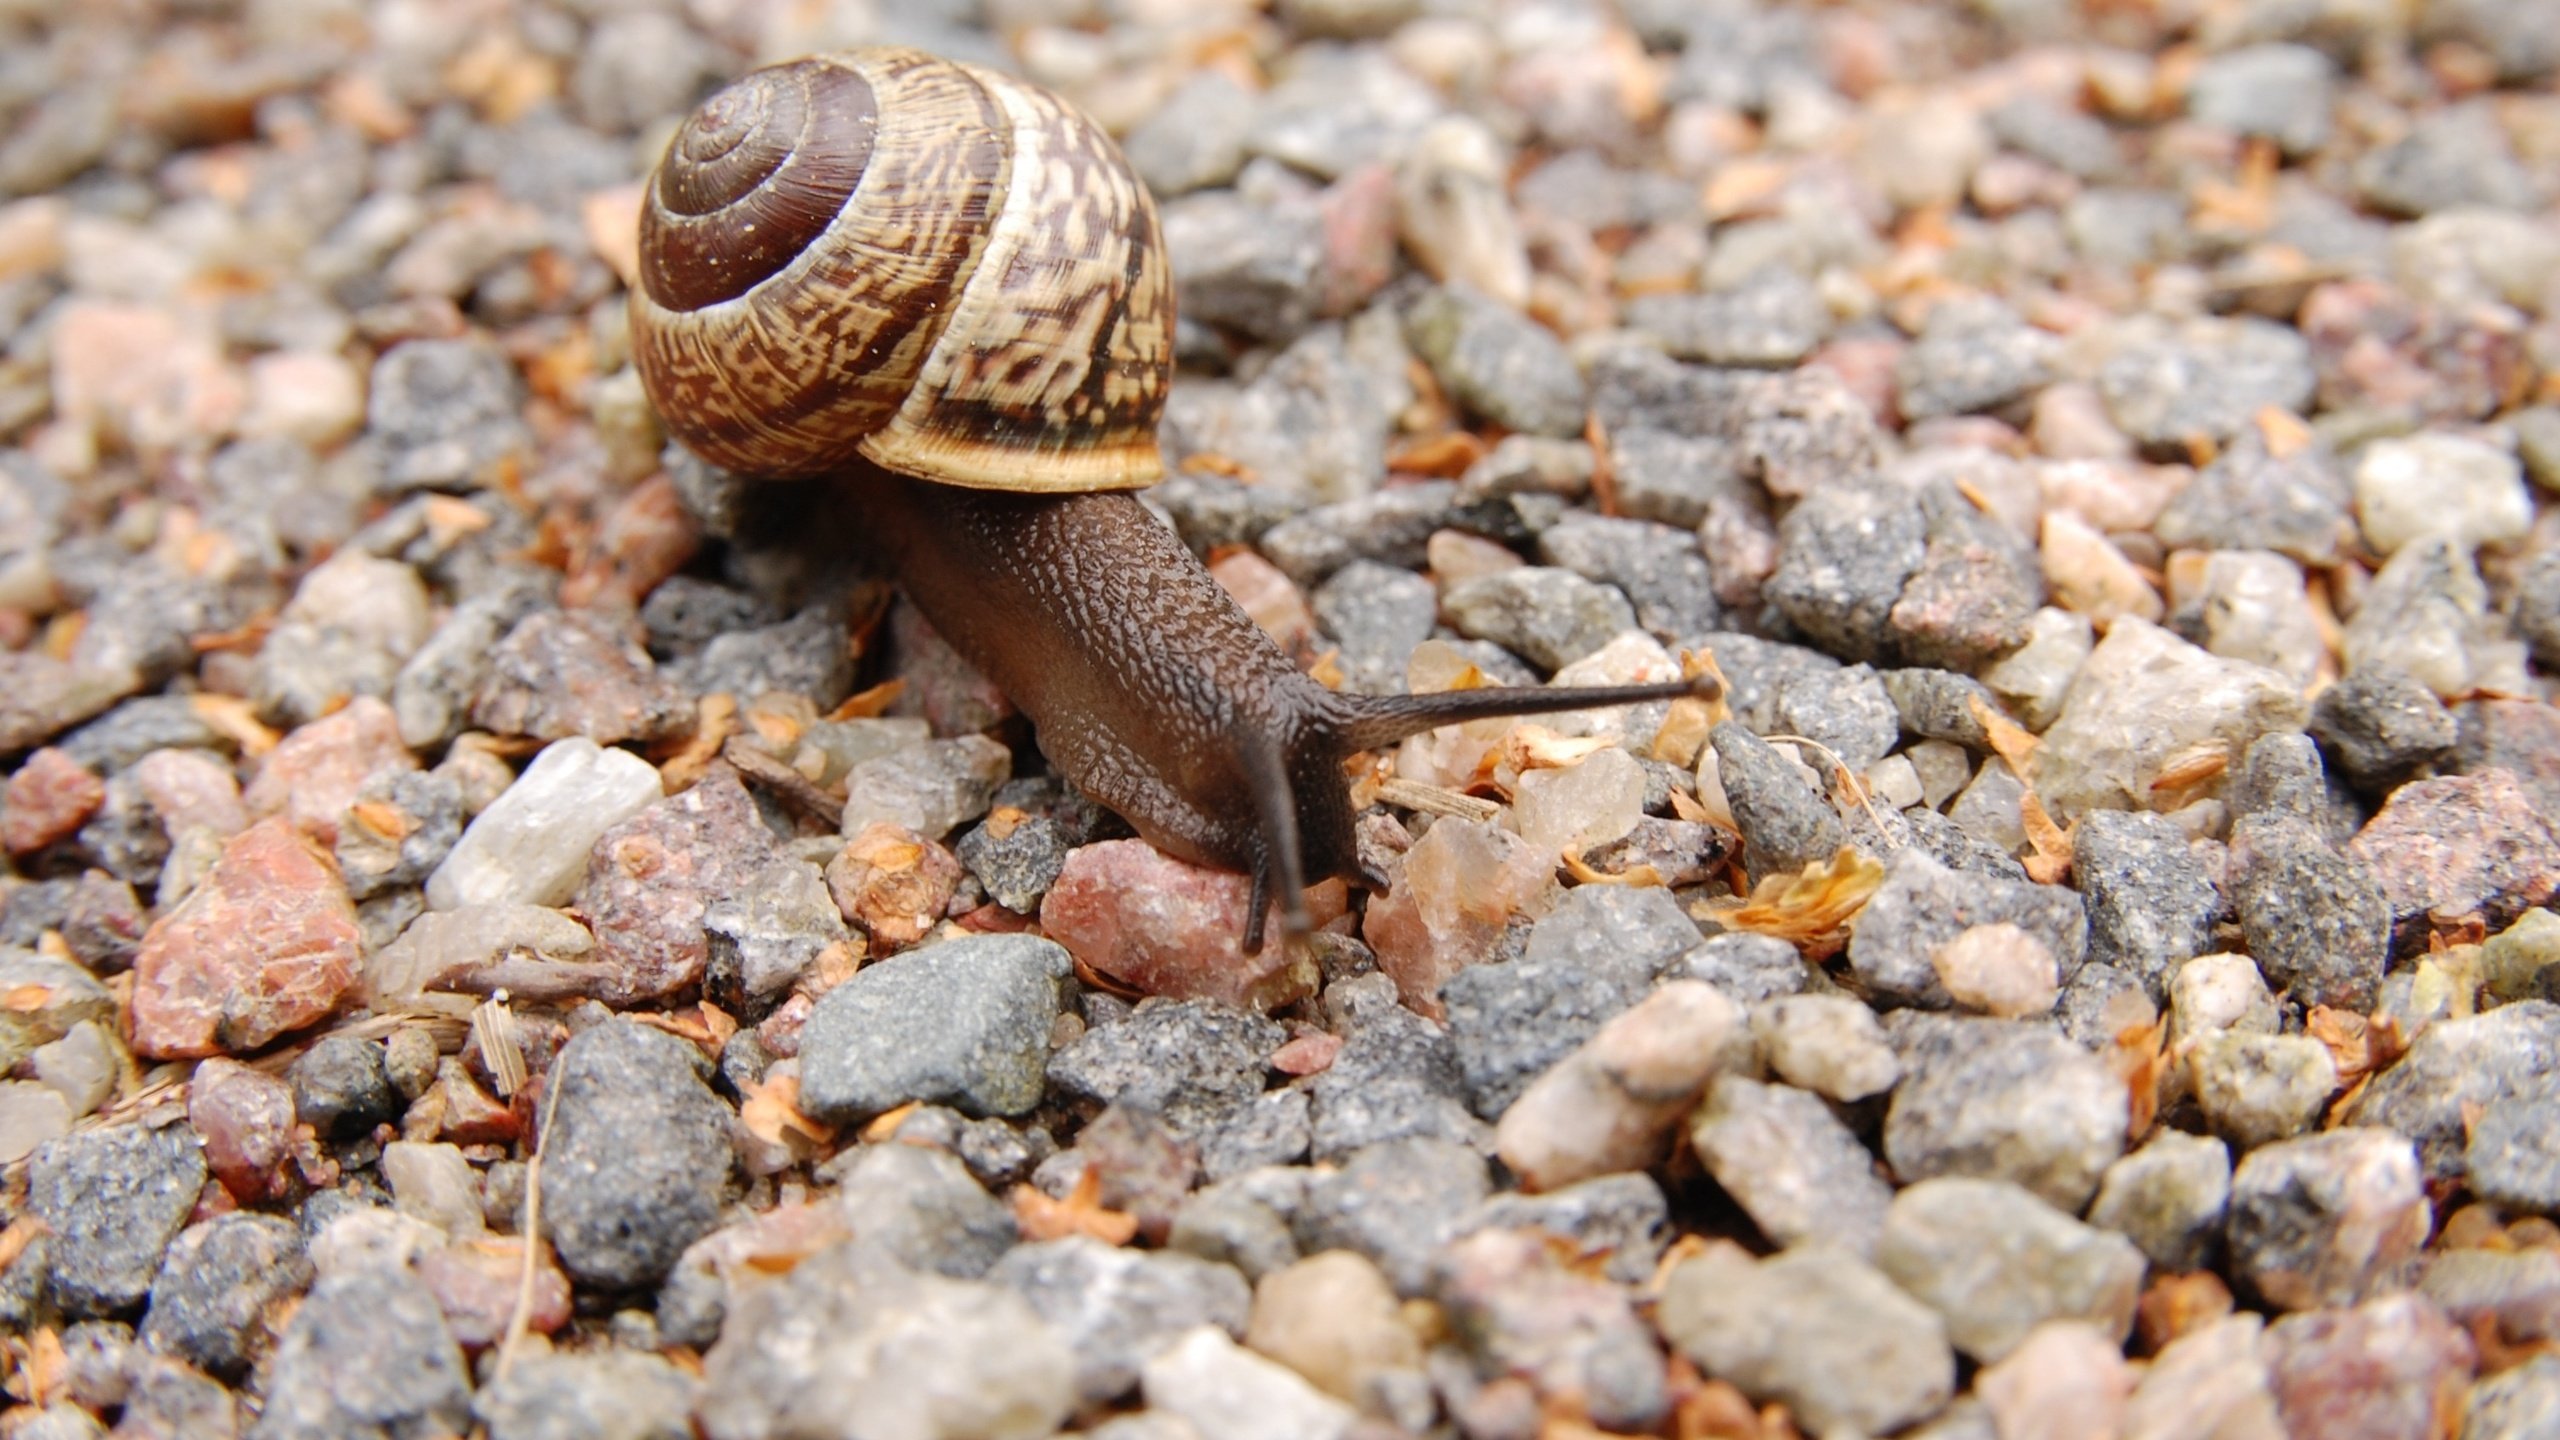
884,254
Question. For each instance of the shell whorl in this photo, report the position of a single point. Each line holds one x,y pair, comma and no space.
884,254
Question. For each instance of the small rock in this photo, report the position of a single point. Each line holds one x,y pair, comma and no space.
2513,1158
1794,1168
218,1287
1923,906
1996,1262
588,1395
111,1200
2461,844
2144,698
1972,356
1772,320
342,1088
1817,1330
1596,955
47,799
1786,822
2429,485
639,1158
2206,378
1464,881
2169,1198
562,674
651,877
2213,1380
2516,1404
1334,1319
1829,1044
1997,969
964,1022
436,1184
2150,903
1395,1203
2427,612
1549,617
1171,928
2067,1378
1496,362
1120,1308
2008,1100
2328,1219
2455,1067
2391,1366
2380,724
366,1357
2257,1089
531,845
1220,1388
245,1118
2315,917
932,788
2250,499
267,943
1846,553
1610,1105
2275,92
1519,1311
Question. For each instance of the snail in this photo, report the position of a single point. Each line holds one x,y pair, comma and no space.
941,293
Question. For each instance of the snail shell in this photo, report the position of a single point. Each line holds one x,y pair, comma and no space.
884,254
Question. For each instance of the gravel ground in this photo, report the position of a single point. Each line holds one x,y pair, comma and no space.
500,934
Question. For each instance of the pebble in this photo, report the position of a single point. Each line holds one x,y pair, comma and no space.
1923,906
2380,725
220,1288
266,944
2251,499
2514,1404
2169,1198
650,878
2034,680
1596,955
1829,1044
2391,1366
531,845
2003,1100
1377,614
2257,1089
1786,822
588,1395
1196,138
1791,1164
169,1401
245,1118
399,827
1119,1308
1772,320
1997,969
1188,1061
963,1022
1219,1388
2066,1379
932,788
2213,1380
2150,903
1845,554
47,799
1334,1320
434,1183
2429,485
342,1088
891,1351
1996,1262
2328,1219
1658,568
563,674
1395,1076
2205,377
1550,617
1611,1104
365,1357
2448,159
352,623
2461,844
1396,1203
1496,363
1518,1310
638,1161
1972,356
2513,1158
2142,698
2316,917
1166,927
56,996
2469,1065
111,1200
528,945
2427,612
760,938
2273,92
443,413
1817,1330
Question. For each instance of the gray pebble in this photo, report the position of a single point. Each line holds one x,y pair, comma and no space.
1785,822
2482,1063
1995,1261
1550,617
2208,378
210,1302
2380,726
1624,1217
1246,263
2003,1100
2248,499
1659,567
2451,158
2274,92
1596,954
1973,356
443,412
1377,614
1845,710
2150,903
2169,1198
1817,1329
588,1395
1118,1307
922,1207
1188,1061
2312,914
341,1086
804,655
964,1022
1196,138
1496,362
762,937
1793,1167
639,1155
367,1357
1396,1076
1396,1203
1772,320
2513,1158
1517,1310
170,1401
373,863
1845,554
111,1201
1923,905
1748,968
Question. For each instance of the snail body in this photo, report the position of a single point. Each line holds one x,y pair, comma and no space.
958,320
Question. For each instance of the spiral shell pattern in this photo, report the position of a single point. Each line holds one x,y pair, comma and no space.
884,254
